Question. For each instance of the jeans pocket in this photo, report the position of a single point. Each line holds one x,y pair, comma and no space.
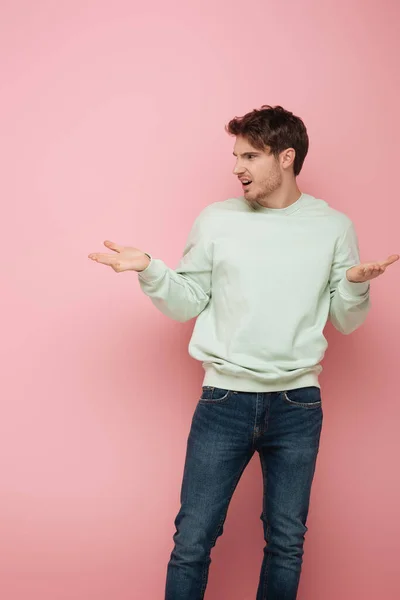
306,397
211,394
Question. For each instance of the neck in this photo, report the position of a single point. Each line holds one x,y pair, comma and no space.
282,197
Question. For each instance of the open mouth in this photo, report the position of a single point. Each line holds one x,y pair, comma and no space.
246,183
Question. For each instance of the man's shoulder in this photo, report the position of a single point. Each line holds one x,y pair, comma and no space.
223,206
220,209
339,220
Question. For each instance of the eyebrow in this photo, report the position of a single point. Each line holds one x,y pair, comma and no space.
246,153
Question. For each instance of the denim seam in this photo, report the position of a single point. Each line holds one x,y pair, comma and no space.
255,422
264,587
215,400
213,540
305,404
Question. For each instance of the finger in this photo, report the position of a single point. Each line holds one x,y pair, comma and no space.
113,246
372,271
389,261
378,270
105,259
374,267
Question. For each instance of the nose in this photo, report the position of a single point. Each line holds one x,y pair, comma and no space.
238,169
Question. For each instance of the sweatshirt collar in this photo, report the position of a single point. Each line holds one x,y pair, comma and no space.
288,210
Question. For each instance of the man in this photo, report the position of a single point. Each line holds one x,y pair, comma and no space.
262,272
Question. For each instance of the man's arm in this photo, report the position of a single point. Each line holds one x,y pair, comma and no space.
350,302
183,293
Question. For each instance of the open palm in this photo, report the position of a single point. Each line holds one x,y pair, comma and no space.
126,258
365,272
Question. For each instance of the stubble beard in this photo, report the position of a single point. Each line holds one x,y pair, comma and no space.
268,188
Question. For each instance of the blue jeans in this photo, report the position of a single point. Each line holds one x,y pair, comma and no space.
227,428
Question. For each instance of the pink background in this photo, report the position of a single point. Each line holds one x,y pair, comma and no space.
112,127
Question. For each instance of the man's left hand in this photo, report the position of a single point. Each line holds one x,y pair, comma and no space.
367,271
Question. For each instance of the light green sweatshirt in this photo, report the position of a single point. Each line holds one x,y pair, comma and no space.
262,285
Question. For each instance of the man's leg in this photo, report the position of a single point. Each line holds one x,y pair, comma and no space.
219,448
288,453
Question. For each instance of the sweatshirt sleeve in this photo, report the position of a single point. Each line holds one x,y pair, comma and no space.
183,293
350,302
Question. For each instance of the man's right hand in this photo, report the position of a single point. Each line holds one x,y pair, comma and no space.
125,259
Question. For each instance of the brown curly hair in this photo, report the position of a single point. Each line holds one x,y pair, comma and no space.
275,127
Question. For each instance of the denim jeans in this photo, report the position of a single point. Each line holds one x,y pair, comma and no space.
227,428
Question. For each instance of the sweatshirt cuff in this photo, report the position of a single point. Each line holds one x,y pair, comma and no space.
155,270
349,288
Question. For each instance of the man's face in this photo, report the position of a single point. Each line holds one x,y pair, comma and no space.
259,167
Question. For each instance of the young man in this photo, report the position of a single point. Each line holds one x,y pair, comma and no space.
262,273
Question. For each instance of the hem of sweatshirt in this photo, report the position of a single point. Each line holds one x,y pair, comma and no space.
242,384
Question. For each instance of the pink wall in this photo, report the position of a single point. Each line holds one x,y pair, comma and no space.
112,128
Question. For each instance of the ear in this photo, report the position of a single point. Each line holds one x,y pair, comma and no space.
287,158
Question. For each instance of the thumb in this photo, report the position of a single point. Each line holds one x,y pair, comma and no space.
113,246
389,261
